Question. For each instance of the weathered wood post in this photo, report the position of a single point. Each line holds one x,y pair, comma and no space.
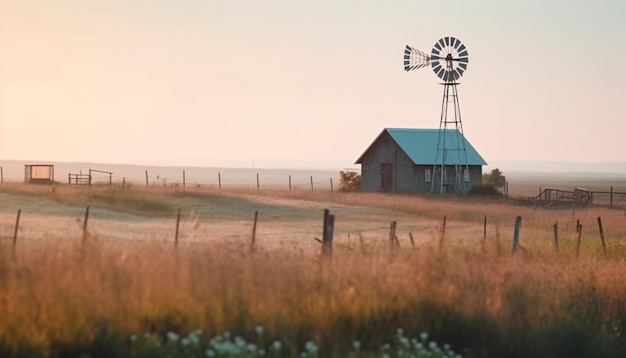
311,182
485,228
17,226
253,242
146,177
327,238
219,180
443,231
184,179
556,236
1,176
289,182
611,197
580,233
602,235
85,224
177,227
518,225
393,240
258,186
411,238
331,184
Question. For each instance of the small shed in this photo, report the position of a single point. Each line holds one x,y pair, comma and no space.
403,160
38,173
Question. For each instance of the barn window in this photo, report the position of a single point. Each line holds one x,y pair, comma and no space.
427,175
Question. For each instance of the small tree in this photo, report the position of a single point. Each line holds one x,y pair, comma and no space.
349,180
494,178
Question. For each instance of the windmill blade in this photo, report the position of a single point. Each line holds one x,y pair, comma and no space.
455,42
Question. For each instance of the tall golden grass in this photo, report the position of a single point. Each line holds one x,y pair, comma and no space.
55,298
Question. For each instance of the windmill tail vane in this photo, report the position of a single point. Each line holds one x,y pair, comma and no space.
414,59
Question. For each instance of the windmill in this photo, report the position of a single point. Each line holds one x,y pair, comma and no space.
448,59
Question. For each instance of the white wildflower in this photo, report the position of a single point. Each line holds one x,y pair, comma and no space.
172,336
259,330
276,345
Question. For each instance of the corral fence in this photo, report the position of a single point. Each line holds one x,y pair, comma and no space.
87,179
581,197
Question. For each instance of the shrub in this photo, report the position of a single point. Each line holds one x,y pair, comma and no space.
349,181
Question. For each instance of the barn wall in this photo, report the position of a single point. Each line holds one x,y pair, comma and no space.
385,150
475,176
407,177
421,185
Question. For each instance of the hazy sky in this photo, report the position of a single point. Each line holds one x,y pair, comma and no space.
289,83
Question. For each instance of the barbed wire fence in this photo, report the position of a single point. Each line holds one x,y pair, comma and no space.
307,237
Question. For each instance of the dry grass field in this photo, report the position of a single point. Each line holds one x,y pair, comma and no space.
63,294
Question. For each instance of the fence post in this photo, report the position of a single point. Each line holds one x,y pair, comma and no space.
602,235
580,233
1,176
518,224
85,224
556,236
393,239
331,184
611,197
411,238
289,182
184,179
258,187
443,231
253,243
327,238
219,180
177,226
485,228
17,225
146,177
311,182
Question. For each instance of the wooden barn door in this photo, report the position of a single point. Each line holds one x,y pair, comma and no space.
386,177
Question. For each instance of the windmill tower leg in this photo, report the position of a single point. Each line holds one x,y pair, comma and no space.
451,153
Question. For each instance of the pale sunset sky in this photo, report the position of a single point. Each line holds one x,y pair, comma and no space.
304,84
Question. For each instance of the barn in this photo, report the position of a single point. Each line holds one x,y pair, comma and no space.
403,160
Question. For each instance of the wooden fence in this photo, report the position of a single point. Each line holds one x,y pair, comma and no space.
328,230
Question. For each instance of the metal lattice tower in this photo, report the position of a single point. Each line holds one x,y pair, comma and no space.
448,59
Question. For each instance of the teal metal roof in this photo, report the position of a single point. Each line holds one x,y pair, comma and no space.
421,146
